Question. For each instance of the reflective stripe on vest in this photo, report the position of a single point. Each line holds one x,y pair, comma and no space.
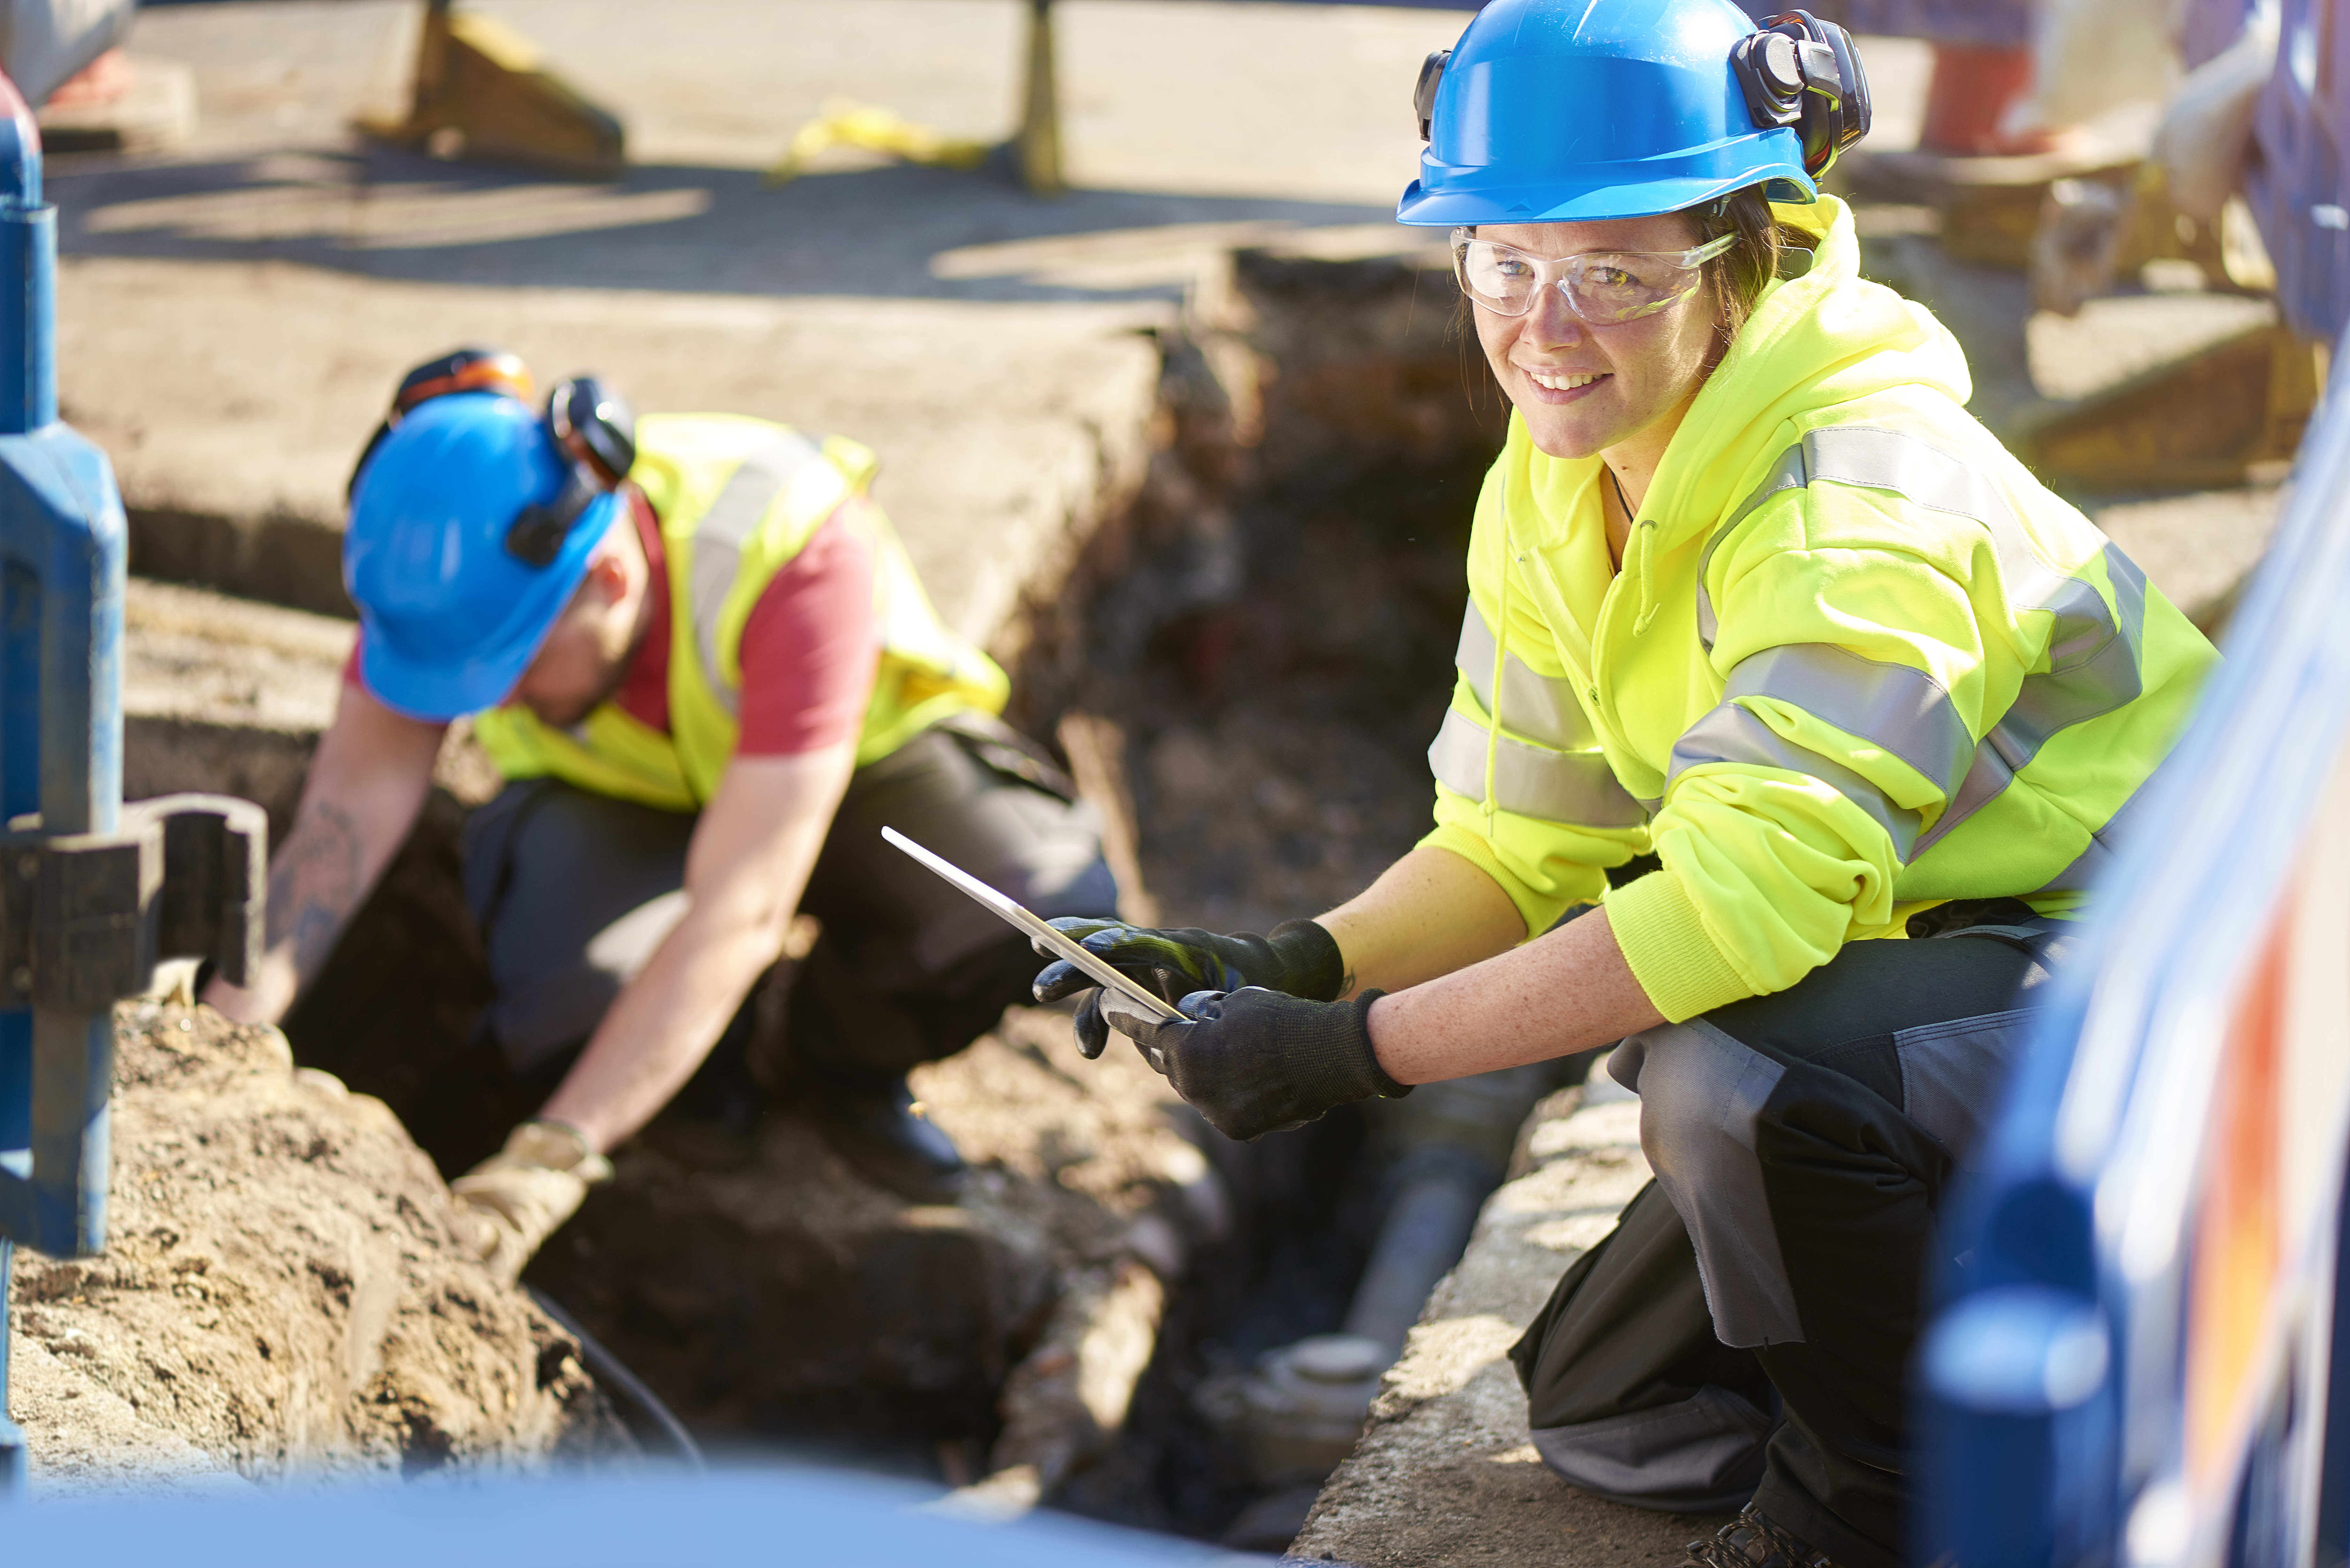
717,544
2094,654
738,499
1533,705
1562,779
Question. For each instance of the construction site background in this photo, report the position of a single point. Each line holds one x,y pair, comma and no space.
1191,448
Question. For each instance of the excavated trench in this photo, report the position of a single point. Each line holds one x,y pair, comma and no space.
1246,664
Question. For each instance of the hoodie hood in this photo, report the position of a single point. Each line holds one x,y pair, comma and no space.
1828,337
1813,342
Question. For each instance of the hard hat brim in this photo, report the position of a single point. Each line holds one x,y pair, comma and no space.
1445,195
437,684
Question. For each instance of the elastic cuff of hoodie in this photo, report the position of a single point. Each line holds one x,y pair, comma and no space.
1665,942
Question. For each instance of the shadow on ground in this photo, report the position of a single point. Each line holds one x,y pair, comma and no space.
894,231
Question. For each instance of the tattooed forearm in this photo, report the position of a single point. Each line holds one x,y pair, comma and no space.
315,883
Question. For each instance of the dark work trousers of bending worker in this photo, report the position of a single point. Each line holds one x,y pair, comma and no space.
574,891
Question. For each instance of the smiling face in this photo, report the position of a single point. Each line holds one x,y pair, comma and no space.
1583,389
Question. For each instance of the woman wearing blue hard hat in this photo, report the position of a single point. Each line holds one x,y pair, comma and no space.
1776,657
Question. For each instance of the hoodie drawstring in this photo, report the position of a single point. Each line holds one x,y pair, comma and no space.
1646,543
1648,603
1500,652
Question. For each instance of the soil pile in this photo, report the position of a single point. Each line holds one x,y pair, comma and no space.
278,1290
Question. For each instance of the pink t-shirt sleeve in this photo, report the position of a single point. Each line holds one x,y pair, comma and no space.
809,648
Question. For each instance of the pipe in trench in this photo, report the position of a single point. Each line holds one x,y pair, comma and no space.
1300,1410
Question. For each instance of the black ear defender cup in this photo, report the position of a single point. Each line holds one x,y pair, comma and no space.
1423,91
594,426
597,434
1803,72
470,370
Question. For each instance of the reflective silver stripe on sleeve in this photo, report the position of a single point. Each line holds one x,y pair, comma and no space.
718,541
1573,787
1538,707
2093,652
1732,735
2094,655
1894,707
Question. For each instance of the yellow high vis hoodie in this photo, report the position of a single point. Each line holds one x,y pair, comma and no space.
1857,660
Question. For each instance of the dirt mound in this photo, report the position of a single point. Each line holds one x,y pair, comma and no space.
278,1290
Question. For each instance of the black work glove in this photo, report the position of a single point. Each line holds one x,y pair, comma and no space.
1300,957
1255,1061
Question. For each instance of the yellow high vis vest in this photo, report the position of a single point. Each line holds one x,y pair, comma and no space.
738,498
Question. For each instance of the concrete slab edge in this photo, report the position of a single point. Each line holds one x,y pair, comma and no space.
1446,1470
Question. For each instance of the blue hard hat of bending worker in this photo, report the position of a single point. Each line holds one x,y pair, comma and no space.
450,615
1553,111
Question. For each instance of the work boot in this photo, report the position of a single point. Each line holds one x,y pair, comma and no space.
1752,1541
875,1128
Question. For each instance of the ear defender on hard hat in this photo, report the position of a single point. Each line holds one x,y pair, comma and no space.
1798,70
475,516
1549,112
1423,93
590,426
596,431
1803,72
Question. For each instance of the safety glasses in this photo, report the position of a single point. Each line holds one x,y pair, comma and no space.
1603,287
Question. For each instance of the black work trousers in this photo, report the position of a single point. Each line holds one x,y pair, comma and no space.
1745,1331
575,890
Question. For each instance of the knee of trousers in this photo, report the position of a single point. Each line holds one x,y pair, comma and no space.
1698,1455
1701,1099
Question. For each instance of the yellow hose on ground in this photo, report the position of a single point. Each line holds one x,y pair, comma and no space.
845,123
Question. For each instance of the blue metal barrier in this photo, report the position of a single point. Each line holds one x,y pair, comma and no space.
62,543
90,894
2134,1360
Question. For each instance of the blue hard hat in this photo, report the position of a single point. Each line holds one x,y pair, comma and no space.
450,615
1560,110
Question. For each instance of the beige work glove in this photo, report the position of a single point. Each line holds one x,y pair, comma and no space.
505,1207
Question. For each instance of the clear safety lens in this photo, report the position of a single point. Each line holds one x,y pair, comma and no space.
1601,286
